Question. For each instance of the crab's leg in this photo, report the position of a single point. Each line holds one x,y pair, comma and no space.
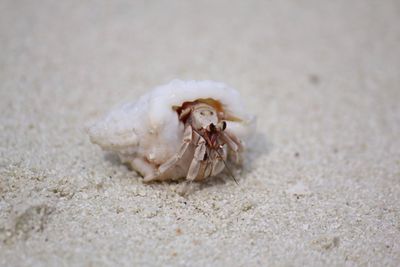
198,157
217,163
187,138
144,168
233,143
234,138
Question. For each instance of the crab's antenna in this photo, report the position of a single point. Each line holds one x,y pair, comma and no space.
226,165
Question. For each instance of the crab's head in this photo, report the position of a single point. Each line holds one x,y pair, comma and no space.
203,116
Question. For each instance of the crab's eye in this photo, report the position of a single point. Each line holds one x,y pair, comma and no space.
212,127
211,113
223,125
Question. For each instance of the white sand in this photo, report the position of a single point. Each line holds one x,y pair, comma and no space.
322,185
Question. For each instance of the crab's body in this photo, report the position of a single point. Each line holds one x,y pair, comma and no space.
182,129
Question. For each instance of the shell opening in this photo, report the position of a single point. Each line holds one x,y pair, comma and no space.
223,114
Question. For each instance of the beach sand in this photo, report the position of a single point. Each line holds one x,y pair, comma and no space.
321,185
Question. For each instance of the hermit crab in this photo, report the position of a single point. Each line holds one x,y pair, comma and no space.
184,129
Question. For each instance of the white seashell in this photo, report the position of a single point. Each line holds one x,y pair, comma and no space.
150,131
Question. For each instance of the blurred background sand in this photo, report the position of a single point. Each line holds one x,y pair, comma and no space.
322,182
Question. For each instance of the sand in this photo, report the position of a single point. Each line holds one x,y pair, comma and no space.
321,185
